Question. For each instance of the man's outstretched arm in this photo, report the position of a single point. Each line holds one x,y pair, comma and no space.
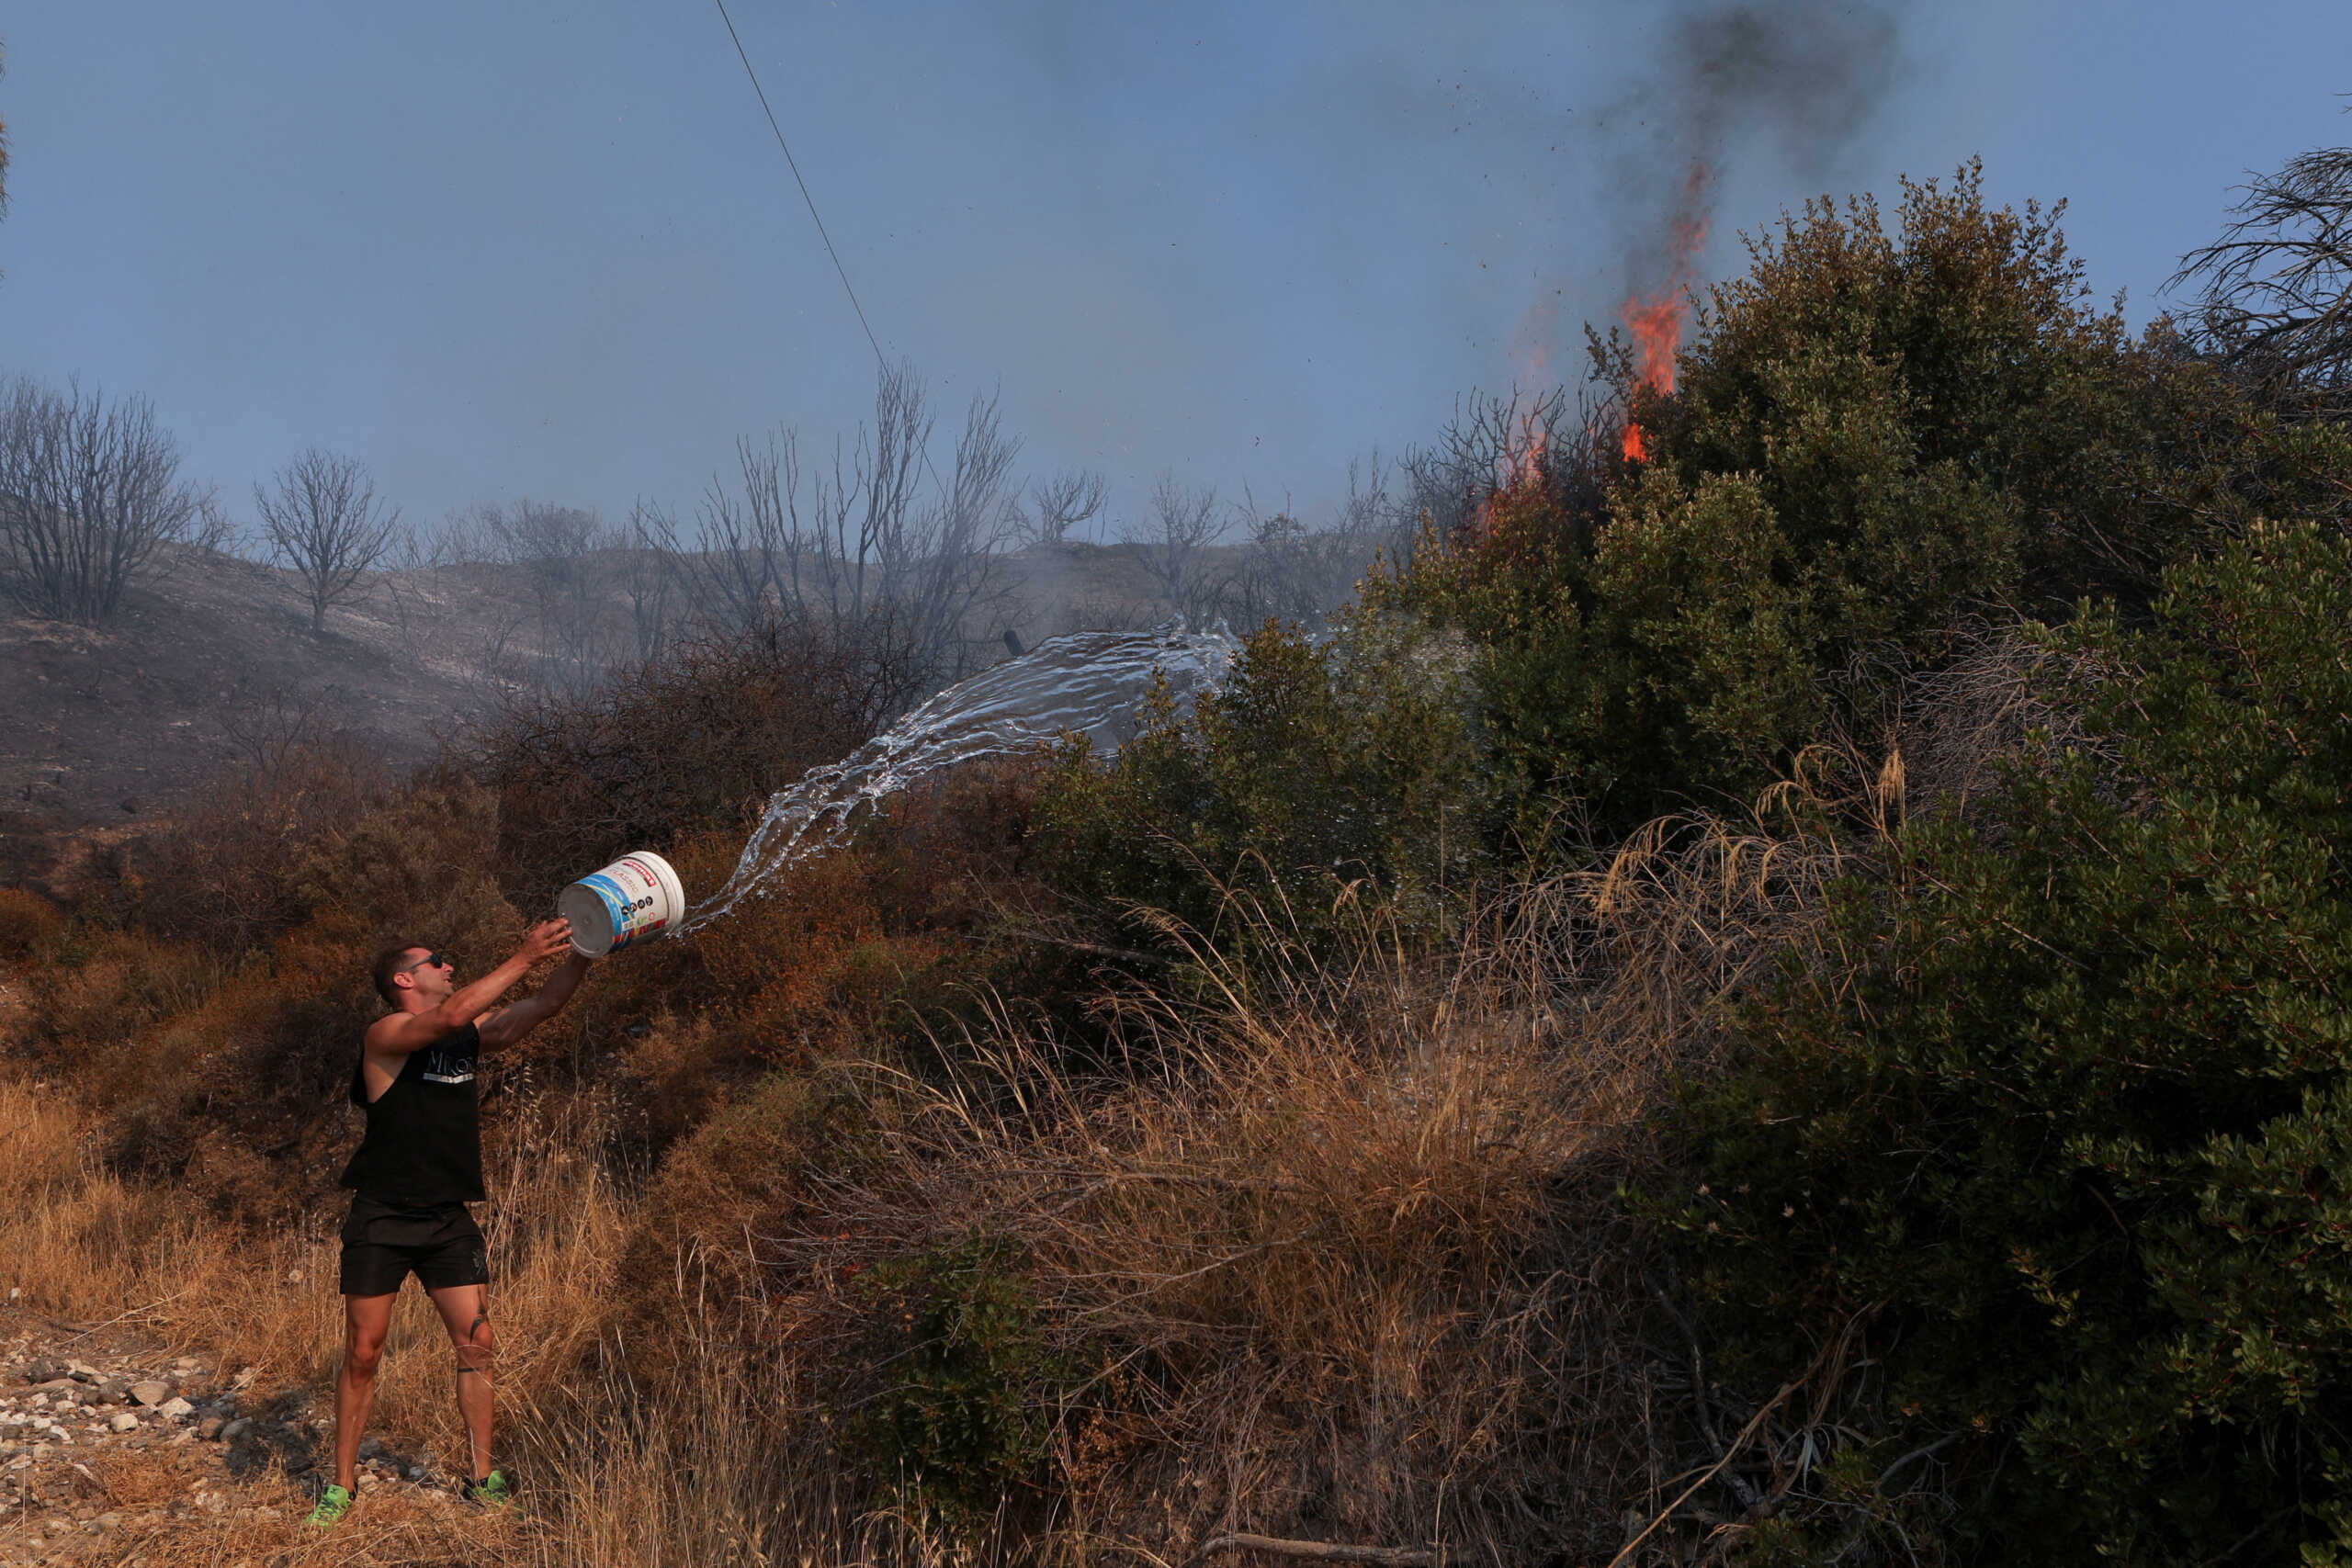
403,1033
509,1024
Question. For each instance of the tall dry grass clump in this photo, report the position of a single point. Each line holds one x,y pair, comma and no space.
90,1249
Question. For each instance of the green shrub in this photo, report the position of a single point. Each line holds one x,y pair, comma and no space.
1313,769
971,1383
1666,658
1929,410
1876,435
2070,1119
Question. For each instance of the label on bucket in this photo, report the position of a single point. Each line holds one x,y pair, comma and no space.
632,896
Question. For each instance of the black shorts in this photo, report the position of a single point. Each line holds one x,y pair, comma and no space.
382,1243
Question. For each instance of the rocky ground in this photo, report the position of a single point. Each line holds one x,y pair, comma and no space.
117,1459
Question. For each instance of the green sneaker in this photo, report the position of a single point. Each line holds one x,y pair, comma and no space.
334,1502
489,1492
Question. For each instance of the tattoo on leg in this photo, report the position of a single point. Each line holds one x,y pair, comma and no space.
472,1350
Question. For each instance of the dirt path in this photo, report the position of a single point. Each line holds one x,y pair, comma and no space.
116,1455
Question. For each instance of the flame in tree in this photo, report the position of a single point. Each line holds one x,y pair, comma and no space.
1656,322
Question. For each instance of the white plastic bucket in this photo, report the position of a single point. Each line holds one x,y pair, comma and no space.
636,897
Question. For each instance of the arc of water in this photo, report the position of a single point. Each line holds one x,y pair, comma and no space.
1092,684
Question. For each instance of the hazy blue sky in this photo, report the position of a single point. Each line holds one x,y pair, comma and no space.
504,248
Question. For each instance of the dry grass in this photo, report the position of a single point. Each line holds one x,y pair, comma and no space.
702,1467
88,1246
84,1245
1961,726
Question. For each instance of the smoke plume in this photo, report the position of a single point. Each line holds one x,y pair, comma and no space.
1743,89
1791,86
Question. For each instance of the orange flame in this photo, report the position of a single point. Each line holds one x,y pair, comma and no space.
1656,322
1518,472
1528,464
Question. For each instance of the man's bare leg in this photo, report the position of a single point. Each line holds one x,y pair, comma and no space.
465,1312
365,1321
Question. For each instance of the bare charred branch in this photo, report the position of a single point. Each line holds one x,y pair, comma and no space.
2277,298
89,489
1063,504
1173,543
859,551
323,520
1319,1551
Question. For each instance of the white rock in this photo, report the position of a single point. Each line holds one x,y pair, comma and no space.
175,1407
124,1421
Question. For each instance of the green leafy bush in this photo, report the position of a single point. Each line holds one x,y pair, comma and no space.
967,1403
2069,1120
1314,768
1929,411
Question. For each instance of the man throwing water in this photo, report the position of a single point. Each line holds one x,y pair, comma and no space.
418,1166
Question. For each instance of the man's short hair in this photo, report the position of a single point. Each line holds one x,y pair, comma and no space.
388,962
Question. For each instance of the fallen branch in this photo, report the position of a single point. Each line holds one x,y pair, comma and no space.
125,1317
1737,1443
1319,1551
1831,1354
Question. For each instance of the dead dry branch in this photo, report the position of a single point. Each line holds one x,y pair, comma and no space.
1960,726
1318,1552
2277,288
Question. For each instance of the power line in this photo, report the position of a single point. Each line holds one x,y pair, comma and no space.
881,361
794,165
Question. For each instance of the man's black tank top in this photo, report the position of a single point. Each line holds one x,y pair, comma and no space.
423,1140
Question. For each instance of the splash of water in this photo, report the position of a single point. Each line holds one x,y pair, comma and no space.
1092,684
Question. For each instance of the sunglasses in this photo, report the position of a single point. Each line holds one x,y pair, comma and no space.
435,959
